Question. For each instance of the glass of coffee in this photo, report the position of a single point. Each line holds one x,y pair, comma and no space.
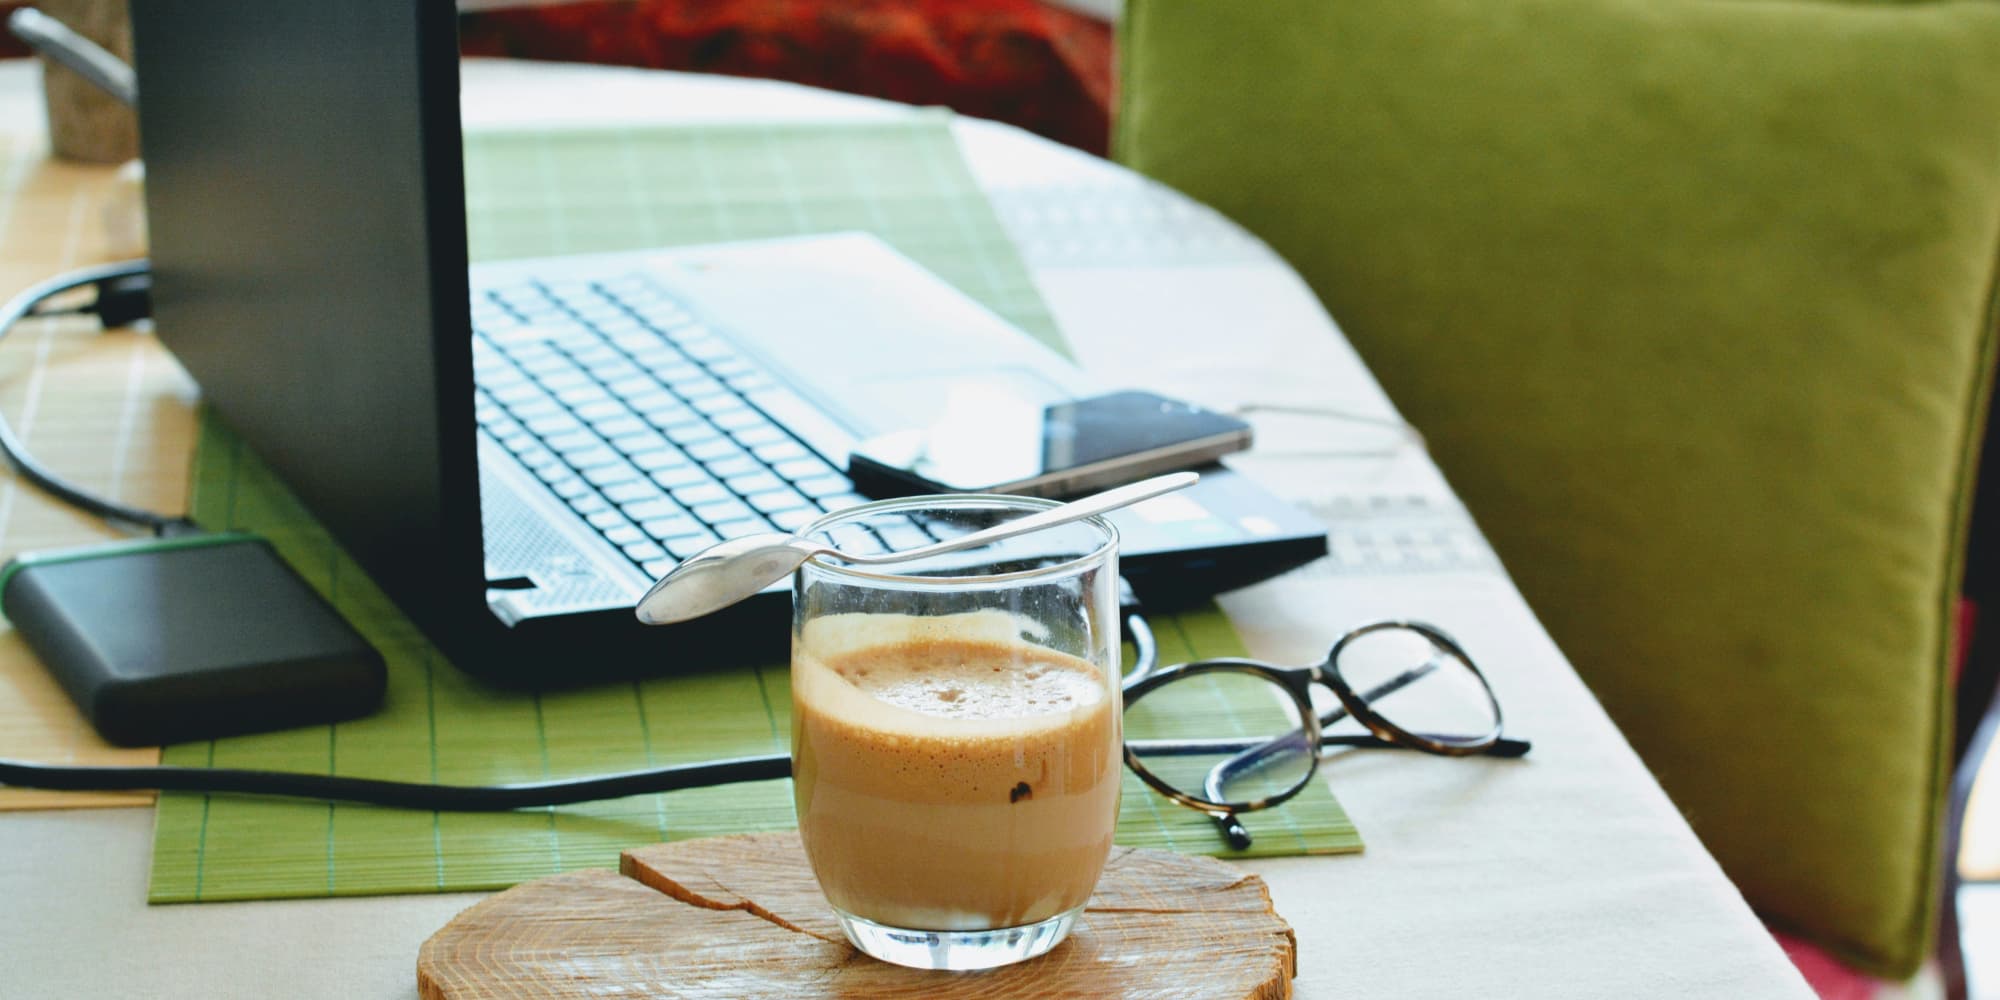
956,729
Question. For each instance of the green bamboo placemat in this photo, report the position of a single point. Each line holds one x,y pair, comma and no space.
533,194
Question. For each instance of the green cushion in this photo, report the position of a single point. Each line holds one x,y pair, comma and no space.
1693,302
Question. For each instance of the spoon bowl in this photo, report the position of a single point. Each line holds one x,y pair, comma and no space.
729,571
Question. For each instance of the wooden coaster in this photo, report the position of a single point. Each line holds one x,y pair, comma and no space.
742,917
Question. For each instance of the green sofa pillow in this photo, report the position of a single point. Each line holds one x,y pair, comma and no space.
1694,303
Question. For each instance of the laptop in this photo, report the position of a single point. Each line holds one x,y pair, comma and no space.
514,451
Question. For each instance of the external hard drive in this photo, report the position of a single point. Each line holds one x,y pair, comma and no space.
190,638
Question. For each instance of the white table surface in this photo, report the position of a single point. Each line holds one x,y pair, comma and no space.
1566,874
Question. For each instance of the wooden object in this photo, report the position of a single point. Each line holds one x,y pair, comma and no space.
86,123
742,917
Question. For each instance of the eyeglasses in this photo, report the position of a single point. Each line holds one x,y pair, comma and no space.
1229,736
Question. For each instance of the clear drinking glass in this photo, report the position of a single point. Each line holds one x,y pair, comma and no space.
956,729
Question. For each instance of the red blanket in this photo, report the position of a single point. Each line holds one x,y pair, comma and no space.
1017,61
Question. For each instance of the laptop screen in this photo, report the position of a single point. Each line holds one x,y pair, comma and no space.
306,206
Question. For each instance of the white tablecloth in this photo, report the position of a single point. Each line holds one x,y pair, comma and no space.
1566,874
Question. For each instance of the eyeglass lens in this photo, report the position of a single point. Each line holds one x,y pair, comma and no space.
1223,736
1413,684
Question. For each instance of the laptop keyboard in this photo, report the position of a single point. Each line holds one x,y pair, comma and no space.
648,425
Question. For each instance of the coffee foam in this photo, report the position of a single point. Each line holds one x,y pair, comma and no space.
963,676
951,726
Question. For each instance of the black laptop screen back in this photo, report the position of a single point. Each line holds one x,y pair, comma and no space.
306,210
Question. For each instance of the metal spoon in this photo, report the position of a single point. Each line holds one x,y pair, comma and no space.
730,571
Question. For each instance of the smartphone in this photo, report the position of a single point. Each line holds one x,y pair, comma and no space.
1058,450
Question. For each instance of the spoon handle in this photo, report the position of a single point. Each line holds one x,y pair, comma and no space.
1099,503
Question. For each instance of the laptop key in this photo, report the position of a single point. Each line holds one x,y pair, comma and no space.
523,354
666,360
646,397
670,416
611,475
576,440
598,353
801,468
796,518
841,501
617,370
699,388
660,459
496,375
539,458
856,539
755,482
750,382
620,426
573,489
719,403
620,325
740,418
676,526
686,434
688,545
516,395
782,451
555,421
545,363
728,468
702,493
647,510
672,366
742,526
643,551
604,409
587,503
638,442
708,349
635,388
605,520
713,451
626,534
632,491
778,500
900,537
681,475
576,397
823,486
761,432
594,457
657,568
723,510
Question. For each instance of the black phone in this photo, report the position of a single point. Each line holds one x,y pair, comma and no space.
1057,450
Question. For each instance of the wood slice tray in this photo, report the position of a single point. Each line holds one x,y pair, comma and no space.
742,917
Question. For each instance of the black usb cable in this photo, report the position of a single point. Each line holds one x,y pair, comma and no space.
123,296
